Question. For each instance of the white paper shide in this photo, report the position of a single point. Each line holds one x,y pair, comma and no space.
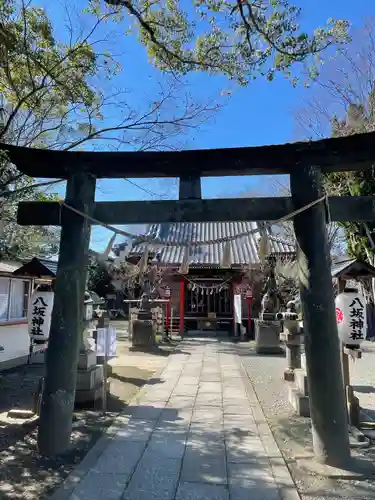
106,342
39,315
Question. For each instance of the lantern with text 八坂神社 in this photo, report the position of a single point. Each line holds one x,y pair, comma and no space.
351,317
39,315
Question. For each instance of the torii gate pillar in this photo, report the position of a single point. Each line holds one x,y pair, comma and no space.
324,376
67,318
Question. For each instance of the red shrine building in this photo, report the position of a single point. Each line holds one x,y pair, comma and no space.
202,299
204,295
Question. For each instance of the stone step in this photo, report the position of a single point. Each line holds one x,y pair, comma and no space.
20,414
299,402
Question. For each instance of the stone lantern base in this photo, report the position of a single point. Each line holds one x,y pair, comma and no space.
90,374
90,379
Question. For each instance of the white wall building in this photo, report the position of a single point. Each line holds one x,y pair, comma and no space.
14,300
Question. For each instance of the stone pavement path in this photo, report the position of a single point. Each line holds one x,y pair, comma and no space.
192,435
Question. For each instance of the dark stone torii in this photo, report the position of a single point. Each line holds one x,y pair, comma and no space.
305,162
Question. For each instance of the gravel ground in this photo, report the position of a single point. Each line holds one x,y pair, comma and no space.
293,434
26,475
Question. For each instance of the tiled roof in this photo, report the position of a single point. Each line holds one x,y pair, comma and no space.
338,265
50,265
351,267
243,250
38,267
9,266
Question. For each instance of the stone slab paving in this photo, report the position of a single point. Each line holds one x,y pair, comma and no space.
195,435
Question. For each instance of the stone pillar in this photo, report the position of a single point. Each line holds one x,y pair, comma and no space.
298,391
157,316
292,338
133,315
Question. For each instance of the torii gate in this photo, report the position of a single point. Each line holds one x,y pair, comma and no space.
304,162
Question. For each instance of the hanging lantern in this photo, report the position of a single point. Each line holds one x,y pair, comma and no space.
226,260
184,268
39,315
351,317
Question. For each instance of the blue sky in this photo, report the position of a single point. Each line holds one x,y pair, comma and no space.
262,113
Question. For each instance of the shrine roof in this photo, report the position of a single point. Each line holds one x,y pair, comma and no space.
348,268
9,266
37,268
354,152
243,251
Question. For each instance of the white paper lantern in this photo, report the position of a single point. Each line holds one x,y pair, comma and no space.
39,315
351,317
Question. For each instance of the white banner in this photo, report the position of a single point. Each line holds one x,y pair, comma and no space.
39,315
237,304
106,341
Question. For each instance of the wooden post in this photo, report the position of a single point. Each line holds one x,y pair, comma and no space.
234,325
167,315
326,390
249,301
249,317
344,357
67,319
182,306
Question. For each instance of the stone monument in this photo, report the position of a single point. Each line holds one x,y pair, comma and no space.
144,327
